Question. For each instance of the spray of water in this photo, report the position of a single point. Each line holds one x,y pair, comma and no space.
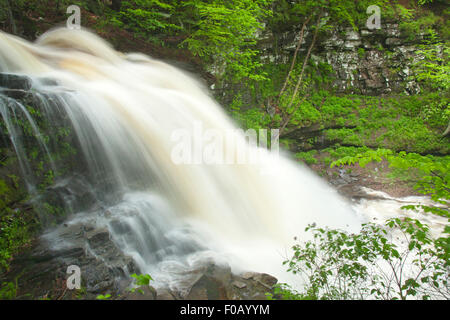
124,109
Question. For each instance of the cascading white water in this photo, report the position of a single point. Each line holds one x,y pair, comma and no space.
125,108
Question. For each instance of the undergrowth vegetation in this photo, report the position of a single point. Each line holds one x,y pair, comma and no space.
372,264
399,259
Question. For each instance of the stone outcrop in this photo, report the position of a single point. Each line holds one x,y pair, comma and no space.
216,282
213,282
369,62
41,272
39,147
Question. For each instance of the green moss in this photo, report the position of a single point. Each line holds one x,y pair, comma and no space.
361,52
307,157
411,26
15,233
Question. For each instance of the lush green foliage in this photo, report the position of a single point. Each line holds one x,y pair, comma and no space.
434,174
8,290
399,260
408,123
434,68
14,230
145,16
14,234
284,291
225,34
222,33
140,280
103,297
351,13
307,157
372,264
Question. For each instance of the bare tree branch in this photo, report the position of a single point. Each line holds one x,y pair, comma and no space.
299,44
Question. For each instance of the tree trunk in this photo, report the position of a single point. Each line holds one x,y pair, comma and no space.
11,18
300,40
288,116
300,78
447,131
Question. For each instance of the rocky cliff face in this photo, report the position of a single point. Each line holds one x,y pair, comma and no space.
369,62
38,147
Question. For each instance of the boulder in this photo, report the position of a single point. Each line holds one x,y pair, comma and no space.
141,293
219,283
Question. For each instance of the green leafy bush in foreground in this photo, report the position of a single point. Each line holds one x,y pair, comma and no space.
336,265
140,281
14,234
397,260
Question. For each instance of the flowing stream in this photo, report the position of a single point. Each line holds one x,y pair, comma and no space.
169,216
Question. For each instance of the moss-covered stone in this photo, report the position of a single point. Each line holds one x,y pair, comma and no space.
37,150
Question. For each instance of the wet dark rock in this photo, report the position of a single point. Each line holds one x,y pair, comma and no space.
164,294
98,238
312,138
105,269
14,81
42,270
61,183
218,283
142,293
207,288
239,284
74,194
338,182
265,279
47,82
101,286
14,93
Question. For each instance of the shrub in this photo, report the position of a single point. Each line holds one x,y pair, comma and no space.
337,265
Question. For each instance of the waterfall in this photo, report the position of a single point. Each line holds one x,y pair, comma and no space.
124,110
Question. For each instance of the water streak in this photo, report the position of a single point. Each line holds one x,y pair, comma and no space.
124,109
